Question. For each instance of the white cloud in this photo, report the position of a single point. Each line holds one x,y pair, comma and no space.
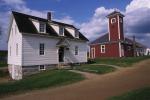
97,24
137,4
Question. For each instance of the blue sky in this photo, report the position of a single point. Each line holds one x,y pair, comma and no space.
79,10
88,15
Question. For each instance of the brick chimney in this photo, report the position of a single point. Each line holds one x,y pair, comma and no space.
49,16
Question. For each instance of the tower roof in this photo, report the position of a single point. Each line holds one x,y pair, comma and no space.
114,13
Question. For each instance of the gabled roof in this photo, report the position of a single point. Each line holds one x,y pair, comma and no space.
25,25
101,39
114,13
105,39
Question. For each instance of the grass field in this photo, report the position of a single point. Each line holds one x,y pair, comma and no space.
140,94
99,69
122,62
42,80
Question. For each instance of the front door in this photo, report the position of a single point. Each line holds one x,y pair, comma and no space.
61,54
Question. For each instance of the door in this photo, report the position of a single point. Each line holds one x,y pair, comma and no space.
92,53
61,54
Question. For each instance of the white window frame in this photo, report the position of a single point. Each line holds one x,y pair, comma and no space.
103,48
76,35
42,23
76,51
44,68
10,51
113,20
61,27
40,50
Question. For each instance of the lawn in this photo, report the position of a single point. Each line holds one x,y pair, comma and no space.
45,79
140,94
99,69
122,62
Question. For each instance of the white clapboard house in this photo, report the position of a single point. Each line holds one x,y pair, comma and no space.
36,44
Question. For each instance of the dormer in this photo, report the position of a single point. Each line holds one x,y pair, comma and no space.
76,34
61,30
42,27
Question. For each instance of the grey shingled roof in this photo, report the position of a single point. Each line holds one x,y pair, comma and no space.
25,25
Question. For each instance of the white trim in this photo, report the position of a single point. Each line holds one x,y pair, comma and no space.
63,30
118,27
109,29
103,48
112,20
120,50
44,27
40,68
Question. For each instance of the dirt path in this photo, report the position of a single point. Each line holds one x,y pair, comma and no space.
86,74
98,88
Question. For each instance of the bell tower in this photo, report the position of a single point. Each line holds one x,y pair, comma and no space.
115,26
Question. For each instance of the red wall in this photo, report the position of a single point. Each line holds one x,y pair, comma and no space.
113,29
111,50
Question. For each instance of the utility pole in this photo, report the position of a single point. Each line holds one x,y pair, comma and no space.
134,46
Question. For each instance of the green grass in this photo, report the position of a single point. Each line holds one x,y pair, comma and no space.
99,69
122,62
3,73
3,64
42,80
140,94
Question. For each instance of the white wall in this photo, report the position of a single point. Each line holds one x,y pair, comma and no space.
82,52
15,38
31,50
55,27
36,24
72,31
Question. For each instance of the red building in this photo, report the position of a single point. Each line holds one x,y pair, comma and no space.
113,43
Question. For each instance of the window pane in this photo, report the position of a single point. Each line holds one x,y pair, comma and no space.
61,30
41,52
42,27
76,50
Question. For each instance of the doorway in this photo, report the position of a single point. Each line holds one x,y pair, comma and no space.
61,54
92,53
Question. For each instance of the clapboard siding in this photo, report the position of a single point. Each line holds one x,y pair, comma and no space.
82,52
15,37
31,50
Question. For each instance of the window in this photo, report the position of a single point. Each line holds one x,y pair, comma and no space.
42,27
113,20
76,33
41,67
76,50
41,51
17,49
102,48
61,30
10,51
